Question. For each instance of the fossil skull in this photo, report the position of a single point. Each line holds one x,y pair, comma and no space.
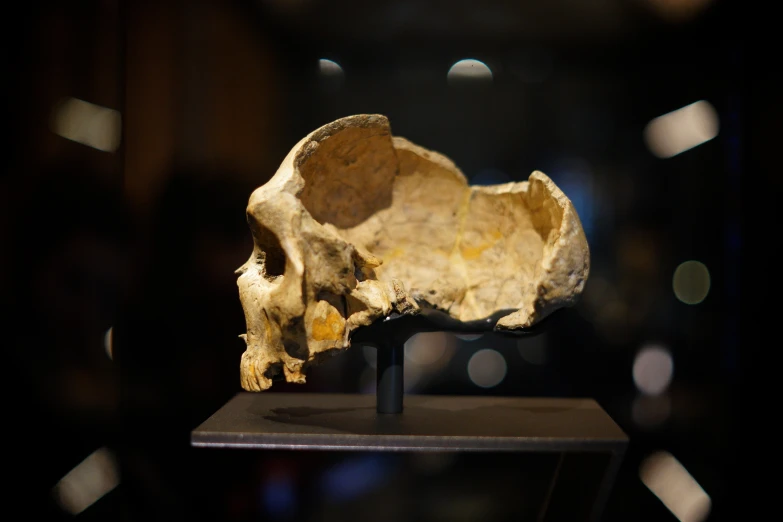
357,224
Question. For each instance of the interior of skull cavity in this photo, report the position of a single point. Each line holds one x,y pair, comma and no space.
350,176
471,251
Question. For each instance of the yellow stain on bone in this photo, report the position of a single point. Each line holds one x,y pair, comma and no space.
470,253
329,328
394,253
267,330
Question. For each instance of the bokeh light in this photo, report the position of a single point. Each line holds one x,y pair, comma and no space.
681,130
108,342
426,353
94,477
691,282
332,75
89,124
487,368
653,369
330,68
469,70
668,480
426,348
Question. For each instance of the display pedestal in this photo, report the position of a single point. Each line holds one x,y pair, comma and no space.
576,436
322,421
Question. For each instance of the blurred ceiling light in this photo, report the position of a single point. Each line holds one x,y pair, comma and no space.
469,69
487,368
675,487
533,349
85,484
681,130
653,369
691,282
677,10
426,348
330,68
89,124
108,342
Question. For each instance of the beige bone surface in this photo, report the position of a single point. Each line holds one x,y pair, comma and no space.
357,224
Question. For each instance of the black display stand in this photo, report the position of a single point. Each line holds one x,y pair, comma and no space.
390,335
356,422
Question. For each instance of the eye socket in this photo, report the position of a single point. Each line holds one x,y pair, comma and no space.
271,255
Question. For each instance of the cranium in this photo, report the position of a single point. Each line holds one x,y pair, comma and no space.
357,224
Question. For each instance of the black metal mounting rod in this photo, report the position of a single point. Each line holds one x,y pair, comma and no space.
390,376
390,335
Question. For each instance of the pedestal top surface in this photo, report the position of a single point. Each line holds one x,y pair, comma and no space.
324,421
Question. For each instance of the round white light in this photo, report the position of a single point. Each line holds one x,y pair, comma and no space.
329,68
653,369
469,69
487,368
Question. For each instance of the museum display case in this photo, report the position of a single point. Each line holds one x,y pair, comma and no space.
397,260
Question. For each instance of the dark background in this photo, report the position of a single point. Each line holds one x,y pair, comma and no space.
144,239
